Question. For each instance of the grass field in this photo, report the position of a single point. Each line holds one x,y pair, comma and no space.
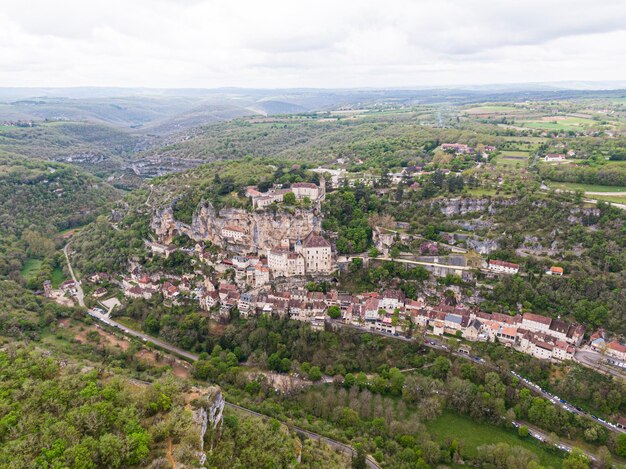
610,198
514,153
474,434
512,158
567,123
31,267
531,140
572,186
58,277
495,109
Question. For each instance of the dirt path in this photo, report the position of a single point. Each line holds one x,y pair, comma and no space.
80,296
170,458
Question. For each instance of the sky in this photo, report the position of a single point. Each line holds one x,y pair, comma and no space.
303,43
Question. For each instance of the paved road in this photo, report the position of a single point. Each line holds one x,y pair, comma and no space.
438,345
142,336
80,296
541,435
597,361
313,436
171,348
618,193
594,201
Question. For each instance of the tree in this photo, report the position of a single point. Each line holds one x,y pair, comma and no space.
576,460
522,431
440,368
394,252
359,460
315,374
334,312
289,198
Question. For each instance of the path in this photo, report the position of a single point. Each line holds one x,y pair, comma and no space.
593,201
618,193
144,337
346,449
80,295
170,458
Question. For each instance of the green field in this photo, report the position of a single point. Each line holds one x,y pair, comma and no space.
58,277
31,267
569,123
572,186
473,434
513,158
500,109
610,198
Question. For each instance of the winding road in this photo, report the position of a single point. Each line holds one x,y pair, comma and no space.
346,449
80,295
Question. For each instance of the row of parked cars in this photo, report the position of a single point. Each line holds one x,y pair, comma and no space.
556,399
610,361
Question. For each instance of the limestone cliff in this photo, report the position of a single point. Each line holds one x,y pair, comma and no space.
208,416
263,229
464,205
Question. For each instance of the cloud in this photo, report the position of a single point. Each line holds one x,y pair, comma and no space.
280,43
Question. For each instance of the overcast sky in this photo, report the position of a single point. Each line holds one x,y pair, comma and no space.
303,43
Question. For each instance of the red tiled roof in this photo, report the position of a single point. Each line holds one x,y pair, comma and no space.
537,318
510,265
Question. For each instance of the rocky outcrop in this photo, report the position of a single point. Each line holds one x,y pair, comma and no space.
464,205
263,229
482,246
208,416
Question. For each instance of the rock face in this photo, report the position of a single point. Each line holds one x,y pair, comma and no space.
262,229
208,416
482,246
462,205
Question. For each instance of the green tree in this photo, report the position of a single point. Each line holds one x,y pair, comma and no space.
289,198
315,374
334,312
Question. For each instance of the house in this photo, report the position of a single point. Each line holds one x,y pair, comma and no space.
370,312
554,270
392,299
458,148
541,349
473,331
317,323
438,327
536,322
68,285
209,299
261,275
503,266
306,189
284,263
507,334
563,351
162,249
317,253
240,262
554,157
99,292
138,292
616,350
234,233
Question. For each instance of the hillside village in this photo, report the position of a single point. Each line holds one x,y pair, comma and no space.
254,277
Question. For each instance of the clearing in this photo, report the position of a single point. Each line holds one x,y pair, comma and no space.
31,267
474,434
